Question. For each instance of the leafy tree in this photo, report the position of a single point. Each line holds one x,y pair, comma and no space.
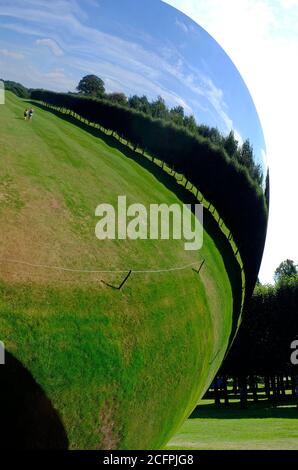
91,85
139,103
286,269
210,133
118,98
17,88
190,123
270,323
257,174
231,144
246,155
159,109
177,115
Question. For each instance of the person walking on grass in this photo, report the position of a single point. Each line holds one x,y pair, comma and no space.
25,114
30,114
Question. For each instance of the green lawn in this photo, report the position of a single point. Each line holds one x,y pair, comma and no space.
105,361
260,427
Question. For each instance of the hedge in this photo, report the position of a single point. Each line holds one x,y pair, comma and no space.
227,185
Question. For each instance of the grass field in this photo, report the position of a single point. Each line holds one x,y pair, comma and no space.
89,362
260,427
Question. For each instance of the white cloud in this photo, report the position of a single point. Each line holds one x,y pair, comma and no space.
288,3
56,74
261,39
216,98
51,44
22,28
39,9
11,54
55,79
184,27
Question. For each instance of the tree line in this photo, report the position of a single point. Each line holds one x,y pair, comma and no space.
226,183
262,348
224,171
17,88
93,86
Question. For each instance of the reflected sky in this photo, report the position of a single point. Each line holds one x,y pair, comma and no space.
137,47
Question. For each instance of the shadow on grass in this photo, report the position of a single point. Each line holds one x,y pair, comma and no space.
261,410
28,419
210,225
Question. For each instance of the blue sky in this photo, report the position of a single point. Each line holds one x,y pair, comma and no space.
136,46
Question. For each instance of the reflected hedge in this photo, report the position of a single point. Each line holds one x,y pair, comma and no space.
222,181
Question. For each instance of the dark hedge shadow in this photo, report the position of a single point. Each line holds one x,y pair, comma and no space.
262,410
28,419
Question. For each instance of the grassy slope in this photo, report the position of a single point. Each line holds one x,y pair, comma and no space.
258,428
102,356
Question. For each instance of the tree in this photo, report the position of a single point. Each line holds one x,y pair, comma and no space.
246,153
267,189
159,109
245,156
177,115
190,123
270,324
139,103
257,174
117,98
16,88
286,269
91,85
231,144
210,133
